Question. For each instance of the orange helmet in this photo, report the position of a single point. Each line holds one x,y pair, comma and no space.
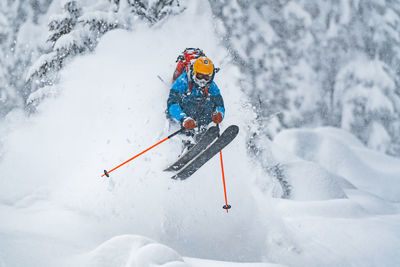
202,71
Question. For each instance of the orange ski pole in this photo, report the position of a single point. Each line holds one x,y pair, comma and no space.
226,206
107,173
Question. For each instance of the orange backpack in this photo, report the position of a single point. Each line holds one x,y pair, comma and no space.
185,61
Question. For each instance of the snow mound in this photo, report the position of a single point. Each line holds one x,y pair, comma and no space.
132,251
341,154
139,251
308,181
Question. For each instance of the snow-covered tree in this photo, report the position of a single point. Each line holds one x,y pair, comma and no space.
71,33
359,37
5,93
78,30
293,53
268,41
15,53
17,19
153,11
367,101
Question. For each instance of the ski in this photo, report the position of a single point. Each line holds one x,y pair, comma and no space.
226,137
208,137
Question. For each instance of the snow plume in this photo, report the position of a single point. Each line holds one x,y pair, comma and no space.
78,29
111,105
335,202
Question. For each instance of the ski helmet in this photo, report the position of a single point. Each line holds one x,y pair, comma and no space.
202,72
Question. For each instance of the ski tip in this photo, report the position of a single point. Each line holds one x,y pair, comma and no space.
227,207
234,128
106,173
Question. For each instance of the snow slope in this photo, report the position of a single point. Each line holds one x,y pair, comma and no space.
341,210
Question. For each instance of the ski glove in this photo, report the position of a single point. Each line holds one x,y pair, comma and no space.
188,123
217,117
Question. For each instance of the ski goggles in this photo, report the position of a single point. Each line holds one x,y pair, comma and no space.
201,76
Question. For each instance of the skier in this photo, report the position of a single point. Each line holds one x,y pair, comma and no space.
195,99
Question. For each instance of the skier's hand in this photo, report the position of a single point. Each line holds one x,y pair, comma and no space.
217,117
189,123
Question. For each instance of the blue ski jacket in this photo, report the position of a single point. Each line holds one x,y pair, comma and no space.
185,103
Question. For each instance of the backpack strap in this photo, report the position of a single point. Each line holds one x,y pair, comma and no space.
190,87
205,92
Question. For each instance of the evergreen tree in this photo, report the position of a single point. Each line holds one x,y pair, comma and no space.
294,55
78,30
8,98
154,11
368,105
16,51
264,39
70,33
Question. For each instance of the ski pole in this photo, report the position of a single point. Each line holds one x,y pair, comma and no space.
226,206
107,173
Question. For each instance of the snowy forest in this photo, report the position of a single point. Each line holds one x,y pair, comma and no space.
299,61
313,175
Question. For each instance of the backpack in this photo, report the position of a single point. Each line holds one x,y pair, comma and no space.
185,61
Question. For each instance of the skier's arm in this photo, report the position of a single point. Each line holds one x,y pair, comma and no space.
175,95
173,105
